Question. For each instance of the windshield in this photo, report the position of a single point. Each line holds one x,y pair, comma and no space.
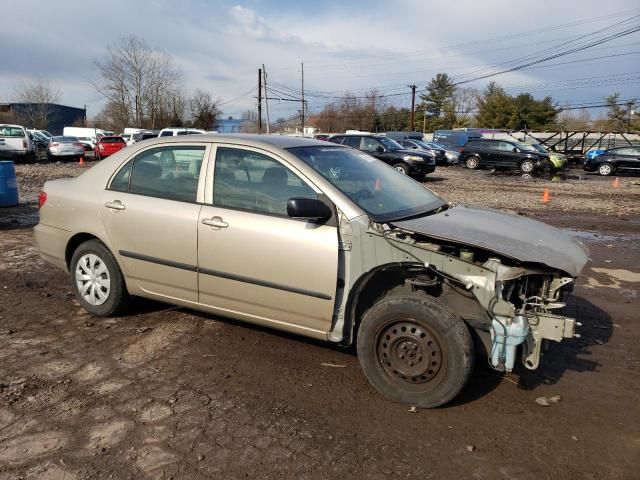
376,188
539,148
391,144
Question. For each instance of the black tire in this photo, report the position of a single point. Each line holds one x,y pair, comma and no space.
527,166
402,168
472,162
606,169
117,298
404,328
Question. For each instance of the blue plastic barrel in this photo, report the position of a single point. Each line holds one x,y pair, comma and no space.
8,184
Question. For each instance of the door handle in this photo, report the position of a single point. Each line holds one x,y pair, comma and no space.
215,222
115,205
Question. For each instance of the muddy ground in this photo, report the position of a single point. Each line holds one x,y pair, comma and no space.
170,393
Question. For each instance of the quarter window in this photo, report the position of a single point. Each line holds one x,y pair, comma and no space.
353,142
166,172
370,144
505,147
246,180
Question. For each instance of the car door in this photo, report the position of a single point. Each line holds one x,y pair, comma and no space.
375,148
504,156
255,262
626,158
150,212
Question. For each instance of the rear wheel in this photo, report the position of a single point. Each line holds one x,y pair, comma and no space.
527,166
472,162
97,279
415,350
402,168
605,169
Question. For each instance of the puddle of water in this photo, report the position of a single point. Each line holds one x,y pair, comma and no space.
597,237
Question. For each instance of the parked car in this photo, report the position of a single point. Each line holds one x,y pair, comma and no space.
438,154
109,145
88,143
172,132
15,144
145,135
453,156
322,136
593,153
40,142
64,148
319,240
503,155
621,159
408,162
454,139
558,160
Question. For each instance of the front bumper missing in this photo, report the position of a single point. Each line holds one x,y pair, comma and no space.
530,331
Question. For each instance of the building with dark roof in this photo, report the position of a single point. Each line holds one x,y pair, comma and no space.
58,116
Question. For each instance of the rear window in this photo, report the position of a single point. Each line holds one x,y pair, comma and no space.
11,132
64,139
473,144
111,140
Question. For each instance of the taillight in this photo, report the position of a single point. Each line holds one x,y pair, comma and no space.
101,146
461,149
42,197
55,144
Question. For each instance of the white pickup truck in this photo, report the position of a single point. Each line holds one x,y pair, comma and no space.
15,144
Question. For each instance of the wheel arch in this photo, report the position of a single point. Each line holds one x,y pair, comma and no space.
368,288
78,239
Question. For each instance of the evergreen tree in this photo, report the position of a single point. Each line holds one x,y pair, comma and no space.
495,107
438,103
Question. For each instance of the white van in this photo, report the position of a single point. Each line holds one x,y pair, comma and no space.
93,133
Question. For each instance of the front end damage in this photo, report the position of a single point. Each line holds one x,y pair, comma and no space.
512,306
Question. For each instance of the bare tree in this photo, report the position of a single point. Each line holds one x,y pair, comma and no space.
37,95
137,81
204,110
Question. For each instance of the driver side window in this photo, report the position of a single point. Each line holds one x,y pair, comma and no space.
370,144
246,180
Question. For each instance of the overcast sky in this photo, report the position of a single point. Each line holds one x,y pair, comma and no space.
345,45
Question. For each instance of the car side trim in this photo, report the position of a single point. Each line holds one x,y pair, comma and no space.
159,261
228,276
263,283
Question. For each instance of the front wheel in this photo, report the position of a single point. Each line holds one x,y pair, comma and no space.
472,162
605,169
527,166
415,350
97,279
402,168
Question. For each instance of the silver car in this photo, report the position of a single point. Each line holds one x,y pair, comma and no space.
64,147
319,240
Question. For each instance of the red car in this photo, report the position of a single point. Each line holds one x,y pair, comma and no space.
108,145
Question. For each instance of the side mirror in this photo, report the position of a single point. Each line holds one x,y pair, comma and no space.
514,150
379,149
414,148
310,208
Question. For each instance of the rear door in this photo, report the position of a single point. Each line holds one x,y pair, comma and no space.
150,212
255,261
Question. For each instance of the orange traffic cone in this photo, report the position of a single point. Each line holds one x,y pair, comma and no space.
616,183
81,162
546,197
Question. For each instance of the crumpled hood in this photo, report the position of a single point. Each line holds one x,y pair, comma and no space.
513,236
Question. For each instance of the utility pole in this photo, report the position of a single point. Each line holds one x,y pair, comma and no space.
266,95
302,111
413,106
259,100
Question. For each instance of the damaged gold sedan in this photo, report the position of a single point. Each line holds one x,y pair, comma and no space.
320,240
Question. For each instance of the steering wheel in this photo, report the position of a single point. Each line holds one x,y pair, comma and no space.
362,194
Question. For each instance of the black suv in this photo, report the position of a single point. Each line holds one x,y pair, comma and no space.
410,162
502,154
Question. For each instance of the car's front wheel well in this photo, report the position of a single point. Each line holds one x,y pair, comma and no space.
373,285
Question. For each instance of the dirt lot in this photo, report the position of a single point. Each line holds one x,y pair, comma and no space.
171,393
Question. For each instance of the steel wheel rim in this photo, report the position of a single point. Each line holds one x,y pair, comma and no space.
605,169
472,162
401,169
92,279
411,355
527,167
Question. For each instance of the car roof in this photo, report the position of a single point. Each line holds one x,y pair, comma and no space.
254,140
